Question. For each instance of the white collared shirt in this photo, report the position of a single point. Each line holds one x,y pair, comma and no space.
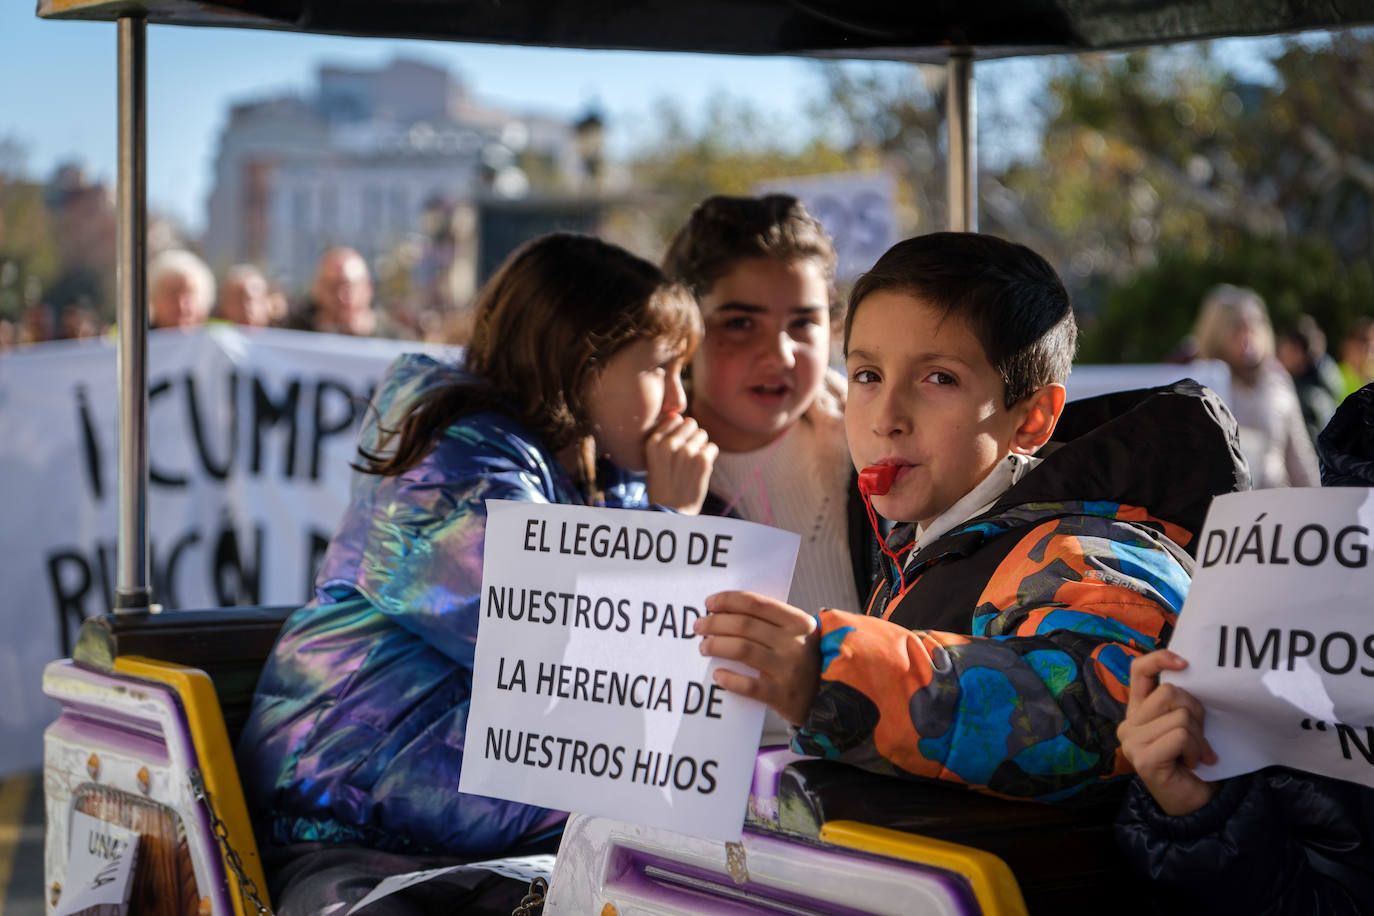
978,500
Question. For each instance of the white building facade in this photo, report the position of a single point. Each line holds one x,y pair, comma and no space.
361,163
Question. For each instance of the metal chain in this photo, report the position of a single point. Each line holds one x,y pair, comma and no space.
246,884
533,902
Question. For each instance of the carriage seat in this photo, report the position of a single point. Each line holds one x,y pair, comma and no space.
151,706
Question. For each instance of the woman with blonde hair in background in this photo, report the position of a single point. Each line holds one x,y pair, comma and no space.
1233,326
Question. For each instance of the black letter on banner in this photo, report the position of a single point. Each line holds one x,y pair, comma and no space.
155,475
267,412
71,601
318,544
235,584
217,471
164,579
324,429
91,447
107,554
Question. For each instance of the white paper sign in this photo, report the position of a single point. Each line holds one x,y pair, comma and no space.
589,691
100,868
1278,631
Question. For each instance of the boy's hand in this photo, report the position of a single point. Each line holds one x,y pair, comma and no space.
1162,736
777,639
679,457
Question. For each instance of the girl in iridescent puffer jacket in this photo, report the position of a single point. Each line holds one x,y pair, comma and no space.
569,393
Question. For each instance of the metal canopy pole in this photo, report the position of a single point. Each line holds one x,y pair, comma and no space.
961,126
132,590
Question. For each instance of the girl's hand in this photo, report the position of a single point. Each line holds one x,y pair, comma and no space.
1162,736
777,639
679,457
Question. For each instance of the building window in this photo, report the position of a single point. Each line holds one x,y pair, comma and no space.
329,210
399,215
300,210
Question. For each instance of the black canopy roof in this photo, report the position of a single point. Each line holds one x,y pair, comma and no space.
904,30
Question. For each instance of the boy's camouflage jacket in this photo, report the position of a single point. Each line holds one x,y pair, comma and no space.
1002,660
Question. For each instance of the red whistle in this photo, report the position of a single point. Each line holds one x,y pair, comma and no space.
877,480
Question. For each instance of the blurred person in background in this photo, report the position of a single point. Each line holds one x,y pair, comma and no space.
278,306
1302,351
245,297
1233,326
340,299
37,324
1357,357
181,290
9,335
79,319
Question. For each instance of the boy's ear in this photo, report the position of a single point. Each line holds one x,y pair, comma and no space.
1039,413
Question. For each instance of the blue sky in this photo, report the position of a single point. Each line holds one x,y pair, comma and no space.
57,88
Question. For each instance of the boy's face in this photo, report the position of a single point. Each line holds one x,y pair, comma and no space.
923,397
764,355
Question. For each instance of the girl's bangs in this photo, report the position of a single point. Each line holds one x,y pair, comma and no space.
672,313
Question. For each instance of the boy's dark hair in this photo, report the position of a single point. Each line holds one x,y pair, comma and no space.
722,231
1007,295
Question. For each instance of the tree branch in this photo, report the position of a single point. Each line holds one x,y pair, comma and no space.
1358,170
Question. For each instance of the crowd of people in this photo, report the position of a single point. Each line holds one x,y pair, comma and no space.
182,294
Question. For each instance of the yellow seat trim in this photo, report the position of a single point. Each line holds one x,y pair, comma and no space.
14,797
211,741
993,884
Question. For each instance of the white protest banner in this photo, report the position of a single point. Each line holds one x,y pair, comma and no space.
858,209
251,433
589,692
1278,631
1088,380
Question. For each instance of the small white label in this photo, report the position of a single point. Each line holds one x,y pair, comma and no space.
100,868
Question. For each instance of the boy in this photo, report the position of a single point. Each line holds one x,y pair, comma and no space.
996,647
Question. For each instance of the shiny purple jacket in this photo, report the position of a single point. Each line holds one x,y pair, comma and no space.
357,728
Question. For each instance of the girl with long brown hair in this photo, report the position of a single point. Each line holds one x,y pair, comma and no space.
569,387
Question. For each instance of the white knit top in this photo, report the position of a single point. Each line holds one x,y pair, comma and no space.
799,482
